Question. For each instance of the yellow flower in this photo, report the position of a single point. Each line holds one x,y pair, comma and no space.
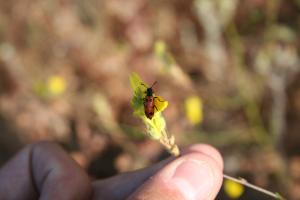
56,85
233,189
193,109
156,126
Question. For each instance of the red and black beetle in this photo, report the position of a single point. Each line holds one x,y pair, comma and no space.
149,104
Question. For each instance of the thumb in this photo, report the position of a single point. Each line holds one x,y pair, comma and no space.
194,176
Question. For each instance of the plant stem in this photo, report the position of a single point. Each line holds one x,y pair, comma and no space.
247,184
169,143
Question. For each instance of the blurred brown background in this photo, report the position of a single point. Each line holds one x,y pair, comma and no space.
64,69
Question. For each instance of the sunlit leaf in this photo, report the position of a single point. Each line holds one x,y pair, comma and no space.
138,94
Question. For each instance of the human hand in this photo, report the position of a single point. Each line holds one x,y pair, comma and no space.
45,171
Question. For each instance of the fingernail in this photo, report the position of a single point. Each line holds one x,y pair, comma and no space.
194,179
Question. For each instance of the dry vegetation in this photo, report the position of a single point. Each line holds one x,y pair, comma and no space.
64,69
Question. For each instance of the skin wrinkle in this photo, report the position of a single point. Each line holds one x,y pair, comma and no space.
34,192
60,175
17,175
40,183
39,179
43,171
30,168
44,179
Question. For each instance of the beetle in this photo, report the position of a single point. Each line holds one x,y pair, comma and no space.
149,105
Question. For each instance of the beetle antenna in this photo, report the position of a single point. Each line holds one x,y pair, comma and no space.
153,84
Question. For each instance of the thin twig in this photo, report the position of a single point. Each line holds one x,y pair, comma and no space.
247,184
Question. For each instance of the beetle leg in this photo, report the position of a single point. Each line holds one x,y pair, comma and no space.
155,107
158,99
144,85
